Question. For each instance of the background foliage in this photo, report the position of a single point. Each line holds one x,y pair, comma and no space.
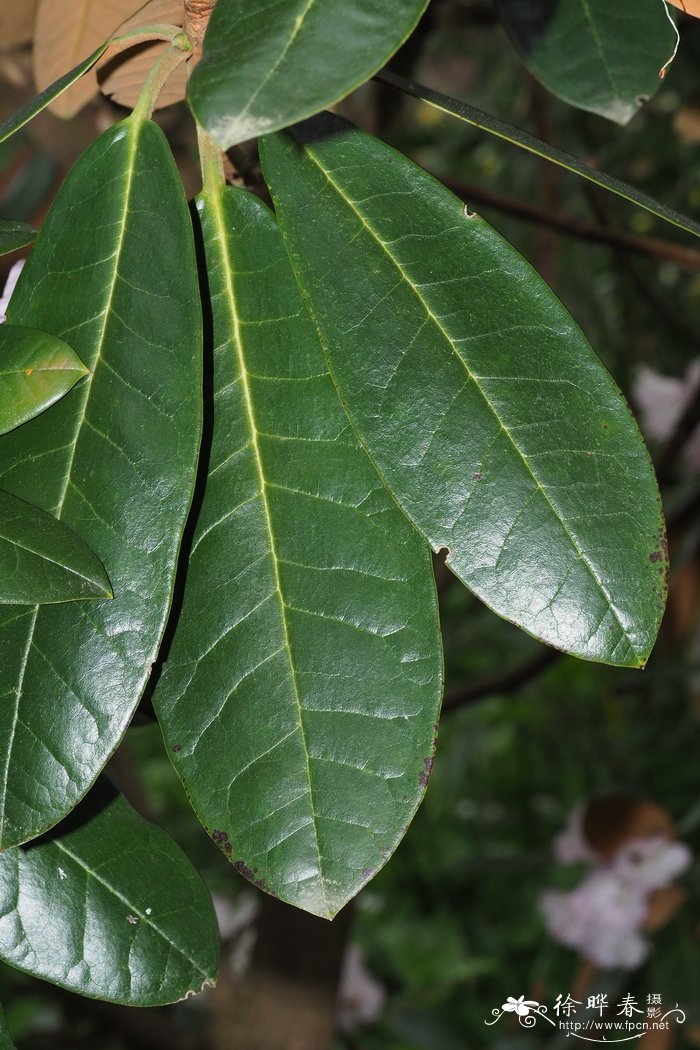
451,926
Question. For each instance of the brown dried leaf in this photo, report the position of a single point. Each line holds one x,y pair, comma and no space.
691,7
17,22
124,68
67,32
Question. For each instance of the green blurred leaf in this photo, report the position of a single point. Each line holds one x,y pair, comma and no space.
36,369
266,65
108,906
5,1040
523,140
14,235
115,460
601,56
480,401
42,560
300,696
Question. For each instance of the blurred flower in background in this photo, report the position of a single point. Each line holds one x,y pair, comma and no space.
9,288
361,997
661,401
628,890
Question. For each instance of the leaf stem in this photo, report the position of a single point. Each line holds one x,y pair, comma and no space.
523,140
159,76
211,160
570,226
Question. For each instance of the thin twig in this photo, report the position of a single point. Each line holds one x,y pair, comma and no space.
690,417
597,233
508,681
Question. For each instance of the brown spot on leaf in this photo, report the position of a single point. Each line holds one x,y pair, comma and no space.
655,556
478,476
424,775
176,748
243,869
221,839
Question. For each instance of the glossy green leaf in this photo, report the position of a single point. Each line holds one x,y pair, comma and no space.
42,560
36,369
300,696
108,906
477,118
483,406
267,64
5,1040
15,234
115,460
35,105
599,55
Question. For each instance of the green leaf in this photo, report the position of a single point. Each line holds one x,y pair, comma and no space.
35,105
5,1040
523,140
115,460
300,697
108,906
36,369
266,65
42,560
602,56
485,410
15,234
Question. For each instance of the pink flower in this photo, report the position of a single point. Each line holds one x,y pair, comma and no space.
603,917
571,845
9,288
360,996
650,864
661,401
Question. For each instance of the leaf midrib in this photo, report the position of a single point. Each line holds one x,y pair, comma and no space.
298,23
599,48
45,557
475,379
215,200
80,417
136,911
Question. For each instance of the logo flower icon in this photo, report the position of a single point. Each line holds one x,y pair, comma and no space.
521,1006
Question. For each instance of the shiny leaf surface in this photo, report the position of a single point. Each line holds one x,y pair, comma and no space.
108,906
115,460
600,56
483,406
36,369
42,560
266,64
300,696
14,235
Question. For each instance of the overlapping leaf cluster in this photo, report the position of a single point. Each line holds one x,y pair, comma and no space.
387,376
